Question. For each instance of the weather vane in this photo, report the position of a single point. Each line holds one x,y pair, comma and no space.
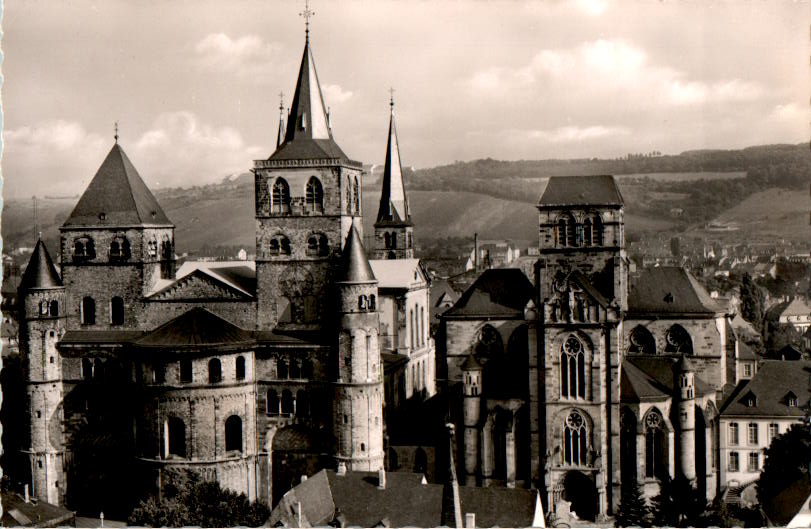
307,14
391,102
116,131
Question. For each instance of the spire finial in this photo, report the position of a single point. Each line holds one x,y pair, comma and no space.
116,132
307,14
281,102
391,102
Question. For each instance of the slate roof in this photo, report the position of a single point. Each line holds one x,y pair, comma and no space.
393,208
595,190
471,364
404,502
118,192
355,266
40,272
498,292
773,380
196,329
652,376
795,307
18,513
103,337
397,273
668,290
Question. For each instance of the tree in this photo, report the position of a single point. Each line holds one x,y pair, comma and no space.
678,504
751,302
633,509
787,462
190,501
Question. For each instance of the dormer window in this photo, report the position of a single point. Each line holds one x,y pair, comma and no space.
790,399
750,400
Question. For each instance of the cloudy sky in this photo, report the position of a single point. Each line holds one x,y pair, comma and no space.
195,84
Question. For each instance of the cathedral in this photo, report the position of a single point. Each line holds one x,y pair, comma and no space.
588,373
250,373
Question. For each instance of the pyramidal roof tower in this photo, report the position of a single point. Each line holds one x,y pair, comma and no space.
393,228
40,272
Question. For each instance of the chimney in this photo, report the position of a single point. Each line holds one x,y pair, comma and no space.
27,498
381,479
470,520
341,469
476,252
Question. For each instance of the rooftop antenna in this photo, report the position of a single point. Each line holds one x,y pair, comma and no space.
116,132
307,14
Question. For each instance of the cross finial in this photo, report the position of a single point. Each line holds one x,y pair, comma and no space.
391,102
307,14
281,101
116,132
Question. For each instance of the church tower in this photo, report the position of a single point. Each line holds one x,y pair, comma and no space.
394,230
42,306
307,195
582,281
117,246
684,376
358,372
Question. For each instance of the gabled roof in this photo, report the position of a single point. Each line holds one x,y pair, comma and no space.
668,290
308,134
40,272
795,307
194,330
498,292
398,273
237,279
773,380
355,266
596,190
636,385
117,196
393,200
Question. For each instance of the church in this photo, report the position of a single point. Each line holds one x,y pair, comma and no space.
250,373
587,373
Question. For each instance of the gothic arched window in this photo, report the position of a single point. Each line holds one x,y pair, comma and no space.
587,232
641,341
655,453
280,197
572,368
677,340
314,196
571,230
596,231
561,232
575,440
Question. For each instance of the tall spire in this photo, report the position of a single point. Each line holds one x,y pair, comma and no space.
40,272
393,203
280,134
308,115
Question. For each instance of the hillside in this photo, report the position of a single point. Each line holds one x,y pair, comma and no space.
761,189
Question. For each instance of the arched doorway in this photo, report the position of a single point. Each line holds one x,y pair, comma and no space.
580,490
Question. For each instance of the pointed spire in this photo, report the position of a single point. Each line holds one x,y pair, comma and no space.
40,272
355,267
116,132
393,202
117,196
308,114
280,134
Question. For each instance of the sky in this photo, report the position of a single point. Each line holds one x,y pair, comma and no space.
195,85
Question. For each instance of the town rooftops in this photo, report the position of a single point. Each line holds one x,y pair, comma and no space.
773,385
596,190
794,307
40,272
498,293
668,290
406,500
117,196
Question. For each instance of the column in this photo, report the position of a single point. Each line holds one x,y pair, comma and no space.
510,449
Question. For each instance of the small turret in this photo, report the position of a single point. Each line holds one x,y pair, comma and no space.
42,306
684,376
472,375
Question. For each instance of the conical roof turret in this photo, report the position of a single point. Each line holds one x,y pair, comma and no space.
393,202
355,267
40,272
117,196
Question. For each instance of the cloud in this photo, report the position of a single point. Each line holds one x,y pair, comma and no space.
567,133
334,94
52,157
180,150
591,7
247,56
611,70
